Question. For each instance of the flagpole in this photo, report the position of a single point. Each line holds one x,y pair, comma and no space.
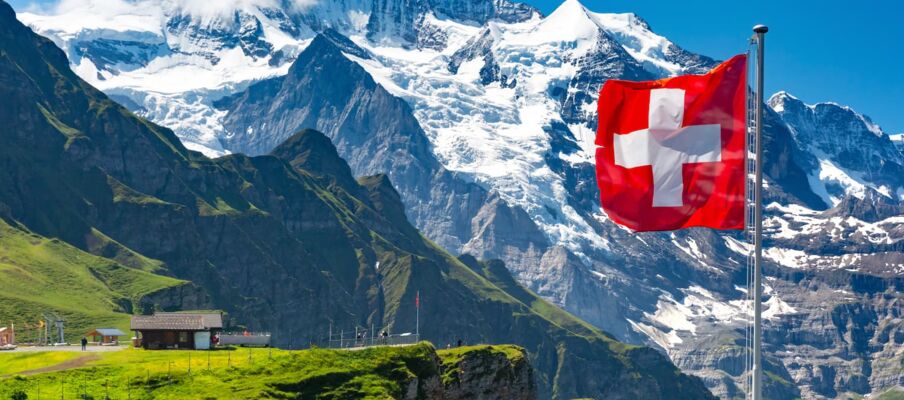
757,386
417,315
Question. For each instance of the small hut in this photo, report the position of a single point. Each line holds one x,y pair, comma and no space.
8,337
106,336
177,330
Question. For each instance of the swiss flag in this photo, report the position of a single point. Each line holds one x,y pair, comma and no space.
671,152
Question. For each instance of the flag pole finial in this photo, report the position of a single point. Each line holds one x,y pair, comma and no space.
760,28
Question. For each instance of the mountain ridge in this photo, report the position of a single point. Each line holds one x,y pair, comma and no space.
515,118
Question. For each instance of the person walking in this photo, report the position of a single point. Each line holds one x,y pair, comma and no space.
84,343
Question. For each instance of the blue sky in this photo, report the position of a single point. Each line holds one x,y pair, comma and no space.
843,51
847,52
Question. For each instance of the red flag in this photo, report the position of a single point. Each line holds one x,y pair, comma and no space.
672,153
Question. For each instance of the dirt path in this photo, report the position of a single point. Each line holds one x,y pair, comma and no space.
73,363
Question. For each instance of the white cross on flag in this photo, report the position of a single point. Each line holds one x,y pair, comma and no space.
671,152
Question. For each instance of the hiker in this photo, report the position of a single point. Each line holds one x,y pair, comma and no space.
84,343
384,336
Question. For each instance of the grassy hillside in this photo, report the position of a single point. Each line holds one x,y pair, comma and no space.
375,373
39,274
892,394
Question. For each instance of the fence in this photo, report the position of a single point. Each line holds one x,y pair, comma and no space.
258,339
346,340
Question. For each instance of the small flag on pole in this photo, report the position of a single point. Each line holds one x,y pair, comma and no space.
417,299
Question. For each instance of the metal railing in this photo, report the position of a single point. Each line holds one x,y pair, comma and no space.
350,340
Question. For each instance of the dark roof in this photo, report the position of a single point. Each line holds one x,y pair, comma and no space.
177,322
106,332
210,320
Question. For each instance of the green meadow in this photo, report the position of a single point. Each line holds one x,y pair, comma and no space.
372,373
39,275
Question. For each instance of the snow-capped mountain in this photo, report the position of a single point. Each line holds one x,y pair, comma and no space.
484,113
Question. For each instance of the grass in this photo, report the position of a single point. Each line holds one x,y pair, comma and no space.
123,193
13,363
375,373
892,394
39,275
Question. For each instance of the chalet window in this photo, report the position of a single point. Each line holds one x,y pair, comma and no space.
183,337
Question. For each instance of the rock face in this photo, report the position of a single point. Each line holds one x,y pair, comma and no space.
372,129
288,242
490,374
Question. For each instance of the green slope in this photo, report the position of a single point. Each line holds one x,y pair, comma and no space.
39,274
375,373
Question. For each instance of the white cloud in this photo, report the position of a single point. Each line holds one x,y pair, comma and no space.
199,8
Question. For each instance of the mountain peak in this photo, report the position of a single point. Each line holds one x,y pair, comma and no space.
569,11
312,151
570,22
782,101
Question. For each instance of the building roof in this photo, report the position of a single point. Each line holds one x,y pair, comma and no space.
177,322
106,332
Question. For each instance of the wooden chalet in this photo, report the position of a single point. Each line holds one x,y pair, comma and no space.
177,330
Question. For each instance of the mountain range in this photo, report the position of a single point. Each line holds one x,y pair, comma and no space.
481,114
289,242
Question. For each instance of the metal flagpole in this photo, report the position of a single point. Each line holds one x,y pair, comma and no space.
757,387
